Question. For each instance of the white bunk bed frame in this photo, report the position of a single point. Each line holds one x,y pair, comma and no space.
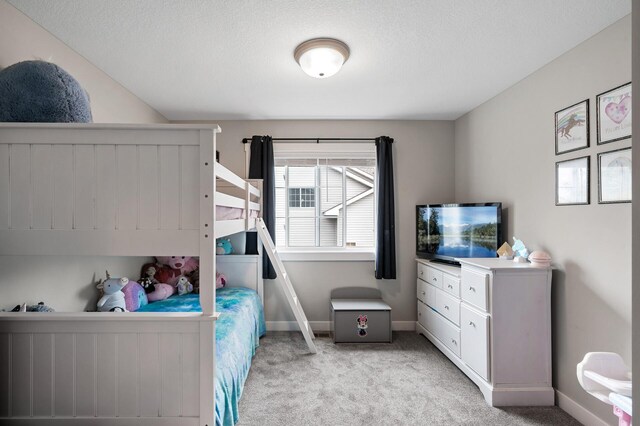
113,190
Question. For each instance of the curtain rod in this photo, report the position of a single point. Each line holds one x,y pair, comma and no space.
317,140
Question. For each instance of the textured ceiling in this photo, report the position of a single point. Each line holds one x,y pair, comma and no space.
429,59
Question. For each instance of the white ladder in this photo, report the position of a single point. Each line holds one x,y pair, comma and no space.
283,277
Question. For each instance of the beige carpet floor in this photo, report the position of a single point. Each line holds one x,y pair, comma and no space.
408,382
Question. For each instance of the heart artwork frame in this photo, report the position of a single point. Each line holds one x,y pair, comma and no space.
614,114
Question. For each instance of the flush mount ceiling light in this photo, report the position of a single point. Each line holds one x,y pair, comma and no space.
321,57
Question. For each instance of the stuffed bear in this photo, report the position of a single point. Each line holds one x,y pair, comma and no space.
112,299
223,246
39,91
179,266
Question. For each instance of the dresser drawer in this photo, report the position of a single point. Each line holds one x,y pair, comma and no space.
448,306
423,317
448,334
451,285
434,277
423,272
421,290
475,286
474,329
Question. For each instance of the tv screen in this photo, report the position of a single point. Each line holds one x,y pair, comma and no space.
448,231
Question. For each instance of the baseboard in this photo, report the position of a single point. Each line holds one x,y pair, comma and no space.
326,325
293,325
578,412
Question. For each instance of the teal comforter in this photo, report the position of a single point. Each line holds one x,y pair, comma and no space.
238,330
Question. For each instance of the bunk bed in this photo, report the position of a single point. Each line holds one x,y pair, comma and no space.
118,190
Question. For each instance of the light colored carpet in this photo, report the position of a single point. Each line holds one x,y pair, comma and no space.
408,382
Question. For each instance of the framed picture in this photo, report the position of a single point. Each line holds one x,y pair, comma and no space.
572,128
572,182
614,114
614,176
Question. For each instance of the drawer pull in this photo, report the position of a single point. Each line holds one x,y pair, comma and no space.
446,307
450,286
435,279
421,273
454,341
472,289
419,314
424,293
472,324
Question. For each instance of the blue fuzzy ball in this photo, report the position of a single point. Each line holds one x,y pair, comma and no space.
38,91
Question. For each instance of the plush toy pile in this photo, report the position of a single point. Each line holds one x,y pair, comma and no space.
169,275
159,280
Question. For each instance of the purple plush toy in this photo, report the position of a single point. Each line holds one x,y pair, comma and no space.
134,296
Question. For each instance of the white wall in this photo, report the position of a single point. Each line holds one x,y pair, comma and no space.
424,173
505,151
64,282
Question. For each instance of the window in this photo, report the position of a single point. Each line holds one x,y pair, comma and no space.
323,201
302,197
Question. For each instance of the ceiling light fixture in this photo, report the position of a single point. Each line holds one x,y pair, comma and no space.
321,57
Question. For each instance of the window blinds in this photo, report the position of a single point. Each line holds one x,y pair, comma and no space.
325,154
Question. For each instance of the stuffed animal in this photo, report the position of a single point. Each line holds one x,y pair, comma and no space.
146,284
161,291
39,91
40,307
194,278
112,299
179,265
223,246
221,280
134,296
184,286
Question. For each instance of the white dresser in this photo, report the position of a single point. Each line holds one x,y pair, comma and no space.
492,318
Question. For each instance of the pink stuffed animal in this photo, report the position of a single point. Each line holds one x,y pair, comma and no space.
179,265
161,291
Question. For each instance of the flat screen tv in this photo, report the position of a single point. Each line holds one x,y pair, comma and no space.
448,231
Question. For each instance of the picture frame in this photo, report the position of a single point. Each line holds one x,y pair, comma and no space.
572,127
614,176
614,114
572,182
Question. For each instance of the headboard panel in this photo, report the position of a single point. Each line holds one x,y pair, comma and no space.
242,271
101,189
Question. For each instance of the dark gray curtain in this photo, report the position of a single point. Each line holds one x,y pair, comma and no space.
385,213
261,167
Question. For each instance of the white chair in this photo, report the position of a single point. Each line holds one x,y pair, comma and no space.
606,376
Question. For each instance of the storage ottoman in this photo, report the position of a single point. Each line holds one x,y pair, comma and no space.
360,321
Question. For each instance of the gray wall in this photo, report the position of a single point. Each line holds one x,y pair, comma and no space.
504,150
423,173
635,42
66,283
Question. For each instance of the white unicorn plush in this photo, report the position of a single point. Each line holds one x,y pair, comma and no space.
113,298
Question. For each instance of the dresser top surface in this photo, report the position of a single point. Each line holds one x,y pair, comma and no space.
499,264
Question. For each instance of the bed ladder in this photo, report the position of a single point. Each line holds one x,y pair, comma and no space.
283,277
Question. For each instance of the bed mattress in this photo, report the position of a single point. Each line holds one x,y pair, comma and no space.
238,330
230,213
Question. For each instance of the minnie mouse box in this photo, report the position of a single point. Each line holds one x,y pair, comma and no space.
360,321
